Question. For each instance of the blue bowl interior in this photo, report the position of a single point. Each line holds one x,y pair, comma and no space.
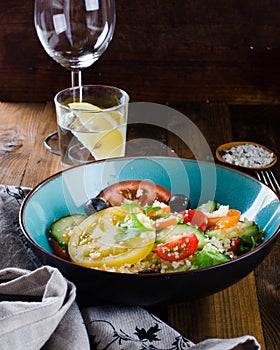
69,191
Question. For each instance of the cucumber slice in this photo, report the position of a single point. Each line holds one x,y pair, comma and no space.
61,229
208,207
202,240
242,228
174,231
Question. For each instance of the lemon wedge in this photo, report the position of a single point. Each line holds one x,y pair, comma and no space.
102,133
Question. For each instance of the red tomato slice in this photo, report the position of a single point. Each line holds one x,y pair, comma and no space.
177,249
228,220
195,218
234,245
138,191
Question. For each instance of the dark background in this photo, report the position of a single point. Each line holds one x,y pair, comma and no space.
165,51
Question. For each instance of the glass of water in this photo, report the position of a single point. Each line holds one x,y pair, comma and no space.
92,123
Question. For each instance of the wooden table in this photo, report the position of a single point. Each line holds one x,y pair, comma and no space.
251,306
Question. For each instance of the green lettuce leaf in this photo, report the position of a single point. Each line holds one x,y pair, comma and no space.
209,258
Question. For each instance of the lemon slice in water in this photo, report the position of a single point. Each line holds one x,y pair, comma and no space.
102,132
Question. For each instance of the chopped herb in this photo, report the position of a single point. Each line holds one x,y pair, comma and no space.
132,205
148,209
131,228
249,242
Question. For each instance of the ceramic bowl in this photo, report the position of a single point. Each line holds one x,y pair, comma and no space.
68,191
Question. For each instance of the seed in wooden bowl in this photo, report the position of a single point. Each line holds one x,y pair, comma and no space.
247,155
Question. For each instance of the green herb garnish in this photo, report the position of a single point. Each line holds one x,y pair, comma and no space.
131,228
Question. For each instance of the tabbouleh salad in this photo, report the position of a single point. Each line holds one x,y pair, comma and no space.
133,238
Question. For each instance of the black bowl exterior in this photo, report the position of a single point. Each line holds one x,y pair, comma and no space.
96,287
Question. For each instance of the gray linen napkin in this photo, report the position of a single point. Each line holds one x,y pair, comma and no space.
38,310
126,328
32,306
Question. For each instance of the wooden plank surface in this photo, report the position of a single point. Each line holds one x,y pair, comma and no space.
251,306
214,316
24,161
41,162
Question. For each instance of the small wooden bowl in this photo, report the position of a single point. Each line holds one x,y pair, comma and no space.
226,146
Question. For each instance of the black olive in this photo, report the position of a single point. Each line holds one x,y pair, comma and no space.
94,205
178,203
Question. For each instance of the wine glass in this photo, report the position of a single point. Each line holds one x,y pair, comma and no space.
75,33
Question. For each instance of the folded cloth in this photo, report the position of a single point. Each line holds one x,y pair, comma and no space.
126,328
38,310
32,309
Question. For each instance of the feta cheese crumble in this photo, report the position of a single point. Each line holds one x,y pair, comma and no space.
221,211
247,155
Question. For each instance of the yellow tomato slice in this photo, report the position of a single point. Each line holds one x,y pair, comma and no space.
93,243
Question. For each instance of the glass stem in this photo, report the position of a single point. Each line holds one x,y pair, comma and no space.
76,80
